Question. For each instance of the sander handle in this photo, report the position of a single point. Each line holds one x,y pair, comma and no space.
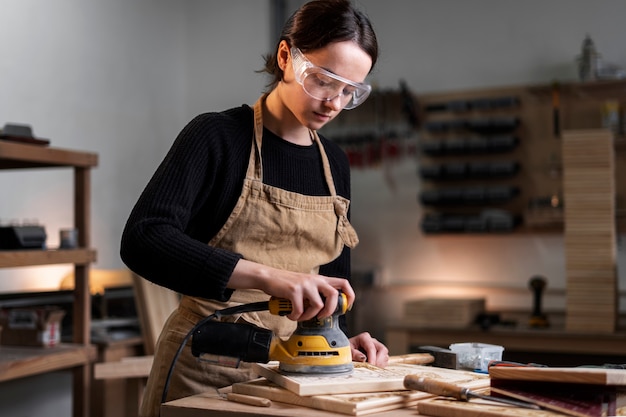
282,306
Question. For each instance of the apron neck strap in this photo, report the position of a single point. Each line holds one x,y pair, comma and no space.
255,164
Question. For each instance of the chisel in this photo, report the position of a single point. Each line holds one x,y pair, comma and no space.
433,386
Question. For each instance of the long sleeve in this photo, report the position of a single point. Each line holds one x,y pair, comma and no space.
186,202
196,187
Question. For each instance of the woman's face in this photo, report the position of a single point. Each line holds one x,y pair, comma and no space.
345,59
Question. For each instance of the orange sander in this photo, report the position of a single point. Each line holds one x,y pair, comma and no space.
315,347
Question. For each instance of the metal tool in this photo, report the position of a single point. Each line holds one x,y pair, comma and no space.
444,358
316,346
433,386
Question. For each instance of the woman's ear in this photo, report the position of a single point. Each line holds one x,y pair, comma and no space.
282,55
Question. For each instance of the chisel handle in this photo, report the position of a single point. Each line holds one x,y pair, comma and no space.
433,386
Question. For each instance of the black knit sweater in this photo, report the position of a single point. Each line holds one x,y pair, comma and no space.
194,190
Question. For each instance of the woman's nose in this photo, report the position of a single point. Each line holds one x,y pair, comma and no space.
335,103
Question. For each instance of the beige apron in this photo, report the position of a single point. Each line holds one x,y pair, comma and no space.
268,225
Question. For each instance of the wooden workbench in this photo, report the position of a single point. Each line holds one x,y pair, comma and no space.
538,344
199,406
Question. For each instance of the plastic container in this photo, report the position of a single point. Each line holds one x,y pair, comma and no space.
476,356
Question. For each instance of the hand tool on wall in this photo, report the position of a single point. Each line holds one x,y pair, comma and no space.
436,387
538,319
556,112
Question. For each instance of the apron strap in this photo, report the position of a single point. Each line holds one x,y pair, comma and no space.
255,164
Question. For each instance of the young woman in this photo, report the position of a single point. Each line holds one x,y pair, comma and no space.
251,202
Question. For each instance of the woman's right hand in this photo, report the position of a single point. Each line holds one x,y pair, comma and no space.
311,295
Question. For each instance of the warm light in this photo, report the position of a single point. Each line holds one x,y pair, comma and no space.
99,279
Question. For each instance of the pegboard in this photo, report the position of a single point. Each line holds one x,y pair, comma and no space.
490,159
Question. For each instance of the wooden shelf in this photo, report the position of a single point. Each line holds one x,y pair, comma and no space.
17,258
19,362
17,156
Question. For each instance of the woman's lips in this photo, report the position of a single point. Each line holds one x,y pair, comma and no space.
322,117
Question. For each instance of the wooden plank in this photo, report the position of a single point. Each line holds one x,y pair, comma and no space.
443,407
18,362
590,240
28,156
154,306
137,367
17,258
215,405
358,404
598,376
580,400
364,378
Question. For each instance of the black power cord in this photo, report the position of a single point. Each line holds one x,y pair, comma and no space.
244,308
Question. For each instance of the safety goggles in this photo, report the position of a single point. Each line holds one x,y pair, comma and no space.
326,86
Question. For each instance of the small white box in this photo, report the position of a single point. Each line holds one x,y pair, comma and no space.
476,356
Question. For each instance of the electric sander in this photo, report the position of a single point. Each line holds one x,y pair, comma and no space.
315,347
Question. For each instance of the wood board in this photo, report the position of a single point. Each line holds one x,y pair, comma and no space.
444,407
580,400
581,375
214,404
357,404
364,378
154,306
590,240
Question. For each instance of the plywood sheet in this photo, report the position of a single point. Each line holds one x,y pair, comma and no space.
364,378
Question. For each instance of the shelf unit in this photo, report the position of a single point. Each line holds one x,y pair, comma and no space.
18,362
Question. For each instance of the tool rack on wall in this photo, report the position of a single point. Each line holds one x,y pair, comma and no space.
378,132
490,159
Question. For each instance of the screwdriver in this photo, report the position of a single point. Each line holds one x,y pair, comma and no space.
433,386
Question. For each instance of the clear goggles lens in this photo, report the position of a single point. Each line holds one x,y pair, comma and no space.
326,86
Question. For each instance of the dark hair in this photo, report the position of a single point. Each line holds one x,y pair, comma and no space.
318,23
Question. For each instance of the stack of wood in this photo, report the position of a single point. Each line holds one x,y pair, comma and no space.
580,392
590,236
443,312
366,390
583,392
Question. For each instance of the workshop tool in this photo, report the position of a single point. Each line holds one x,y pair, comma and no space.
433,386
538,319
315,347
412,359
556,104
443,358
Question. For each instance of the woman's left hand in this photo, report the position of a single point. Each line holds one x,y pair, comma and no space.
366,348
